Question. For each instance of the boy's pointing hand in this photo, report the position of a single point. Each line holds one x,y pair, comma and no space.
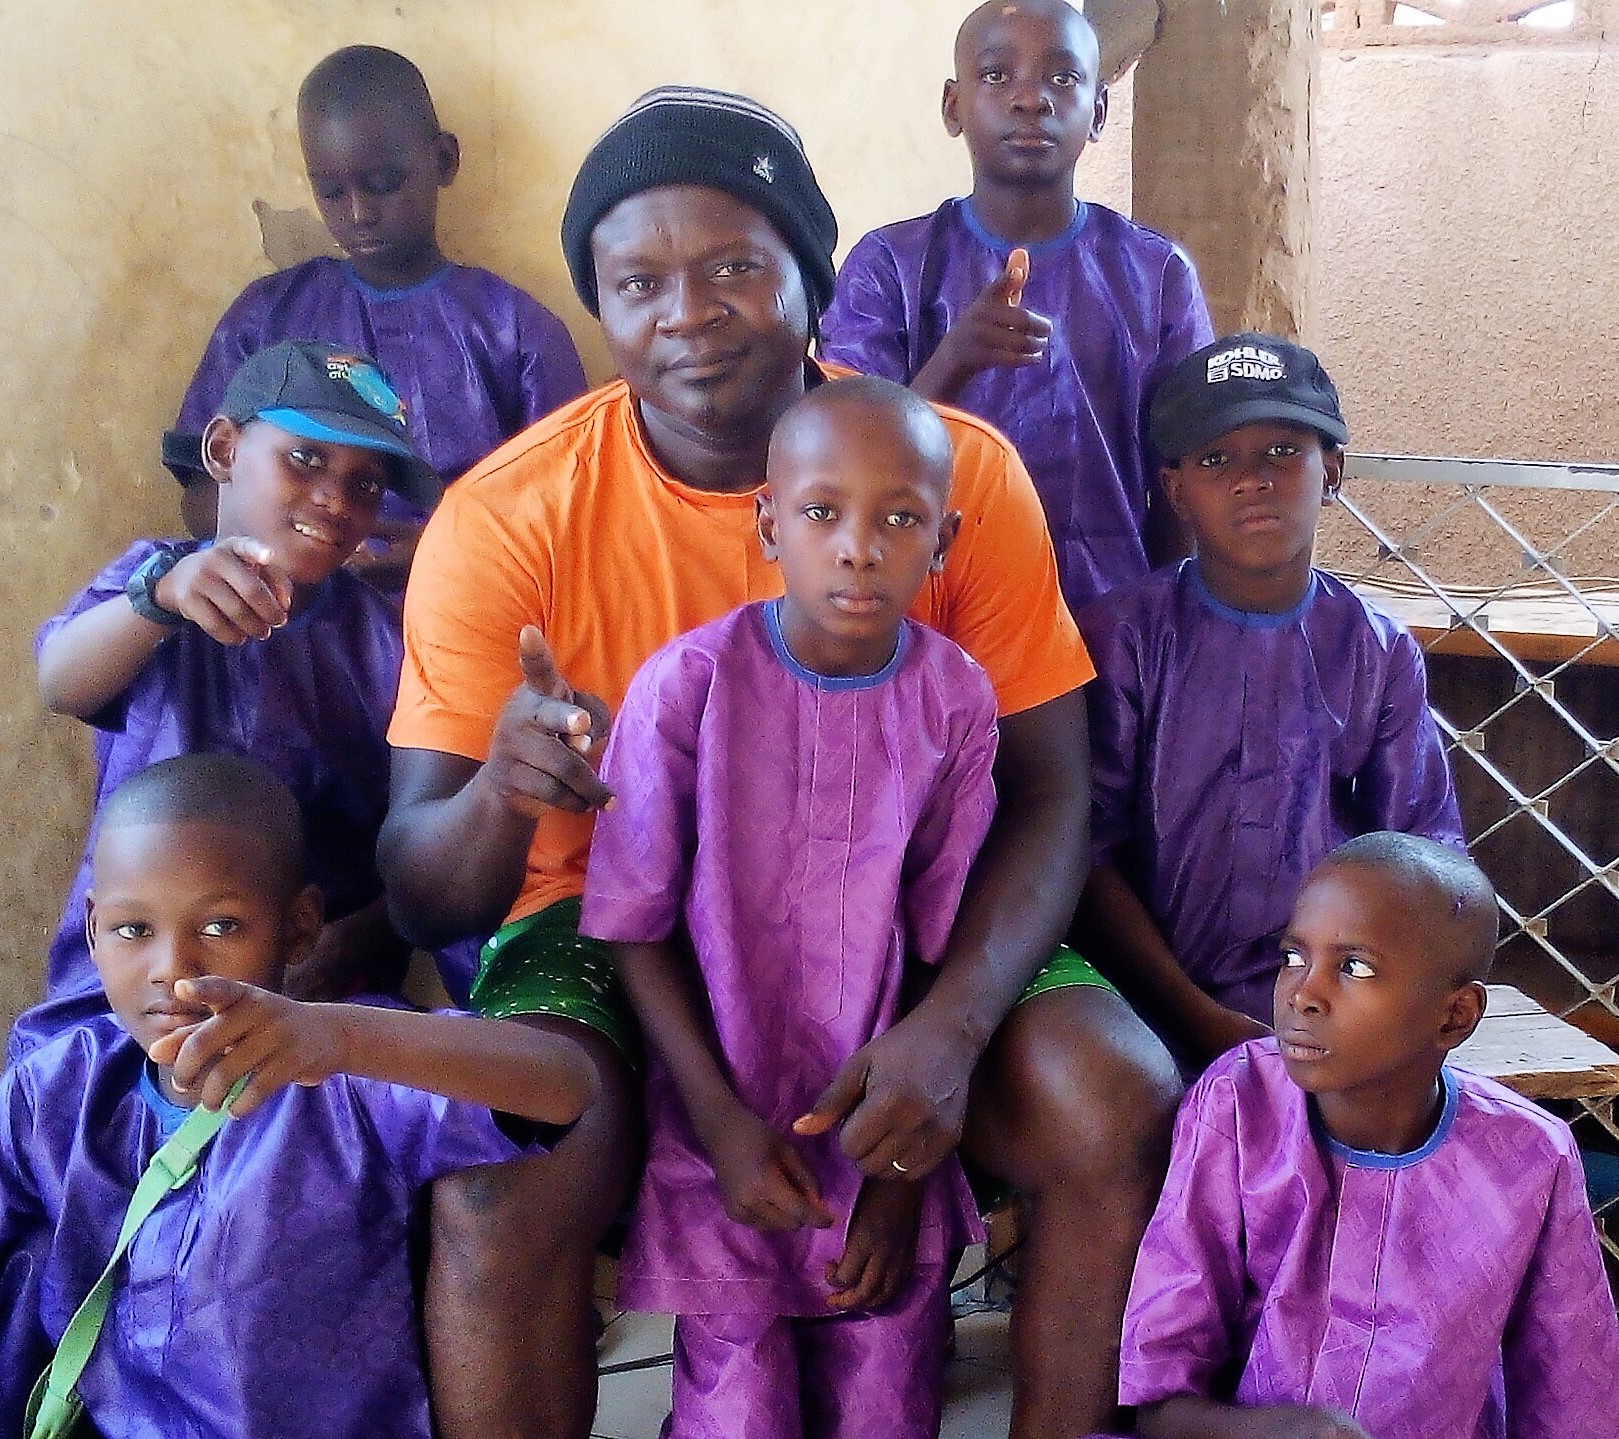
994,331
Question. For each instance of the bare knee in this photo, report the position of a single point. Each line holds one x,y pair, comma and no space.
1075,1092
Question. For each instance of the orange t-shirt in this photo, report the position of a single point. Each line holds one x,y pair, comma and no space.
574,526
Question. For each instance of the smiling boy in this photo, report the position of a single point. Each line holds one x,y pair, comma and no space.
1357,1241
259,644
1251,712
1050,317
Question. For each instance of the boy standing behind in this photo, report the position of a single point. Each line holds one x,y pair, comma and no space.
1050,318
474,358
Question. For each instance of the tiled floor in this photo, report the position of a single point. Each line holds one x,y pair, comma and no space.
632,1404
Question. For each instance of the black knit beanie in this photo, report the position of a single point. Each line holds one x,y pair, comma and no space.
683,135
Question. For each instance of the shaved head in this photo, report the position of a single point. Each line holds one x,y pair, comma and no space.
870,400
219,790
362,78
1064,19
1450,898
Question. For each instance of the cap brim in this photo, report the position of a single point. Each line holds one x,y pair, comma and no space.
412,477
1176,444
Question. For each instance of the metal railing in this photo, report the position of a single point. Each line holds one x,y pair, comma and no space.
1505,571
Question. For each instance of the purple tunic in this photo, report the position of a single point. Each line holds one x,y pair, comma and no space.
474,358
1126,307
311,703
1422,1293
269,1299
810,834
1231,752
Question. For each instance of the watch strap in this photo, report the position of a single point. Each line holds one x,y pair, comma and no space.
141,587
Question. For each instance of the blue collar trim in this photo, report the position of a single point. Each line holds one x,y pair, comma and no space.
1248,619
981,232
375,292
1376,1159
778,642
170,1116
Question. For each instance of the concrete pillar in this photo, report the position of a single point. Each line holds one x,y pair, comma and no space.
1223,155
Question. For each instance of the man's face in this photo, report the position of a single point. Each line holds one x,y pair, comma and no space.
704,312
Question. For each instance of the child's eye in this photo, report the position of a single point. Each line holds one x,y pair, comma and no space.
1212,460
220,928
1357,968
1292,959
305,459
1066,79
368,487
902,519
384,182
133,929
992,76
731,268
820,514
1281,450
637,285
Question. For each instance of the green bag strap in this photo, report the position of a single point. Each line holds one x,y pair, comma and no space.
169,1169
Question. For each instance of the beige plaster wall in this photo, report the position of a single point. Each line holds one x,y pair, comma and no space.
149,168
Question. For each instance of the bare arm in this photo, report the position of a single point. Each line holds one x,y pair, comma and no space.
1191,1417
905,1093
233,592
454,848
1139,960
496,1063
764,1179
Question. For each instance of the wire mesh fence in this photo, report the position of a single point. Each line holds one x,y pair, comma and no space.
1504,571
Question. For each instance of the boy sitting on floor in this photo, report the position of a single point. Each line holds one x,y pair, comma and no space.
1048,317
1355,1240
271,1296
1250,712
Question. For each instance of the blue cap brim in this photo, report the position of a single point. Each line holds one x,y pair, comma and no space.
413,478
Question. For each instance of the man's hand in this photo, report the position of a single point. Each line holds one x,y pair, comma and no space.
279,1041
994,331
233,591
763,1179
881,1247
901,1099
543,737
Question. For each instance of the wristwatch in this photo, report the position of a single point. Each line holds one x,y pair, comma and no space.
141,587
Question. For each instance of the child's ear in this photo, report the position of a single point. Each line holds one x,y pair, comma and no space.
1169,481
90,921
306,913
949,528
947,108
219,442
1463,1011
764,513
1332,467
447,156
1098,114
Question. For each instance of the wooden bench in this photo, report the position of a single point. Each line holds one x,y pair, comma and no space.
1536,1053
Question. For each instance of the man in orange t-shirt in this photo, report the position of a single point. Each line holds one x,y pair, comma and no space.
698,234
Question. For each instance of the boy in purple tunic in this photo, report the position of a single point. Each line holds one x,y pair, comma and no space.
802,787
1251,713
1051,318
258,644
474,358
271,1297
1355,1240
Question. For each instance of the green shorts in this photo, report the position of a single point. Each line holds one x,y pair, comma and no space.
1066,969
542,965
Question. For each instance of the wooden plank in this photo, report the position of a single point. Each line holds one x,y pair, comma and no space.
1536,1053
1540,629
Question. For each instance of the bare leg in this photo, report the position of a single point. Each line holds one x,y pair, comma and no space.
1073,1104
507,1308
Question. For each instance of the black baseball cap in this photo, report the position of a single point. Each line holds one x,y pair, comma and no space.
322,392
1236,381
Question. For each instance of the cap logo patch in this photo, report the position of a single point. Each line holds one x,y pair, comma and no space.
1244,362
367,381
765,168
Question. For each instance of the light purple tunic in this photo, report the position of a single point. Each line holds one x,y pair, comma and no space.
1126,307
269,1299
311,703
1232,752
810,834
474,358
1455,1292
